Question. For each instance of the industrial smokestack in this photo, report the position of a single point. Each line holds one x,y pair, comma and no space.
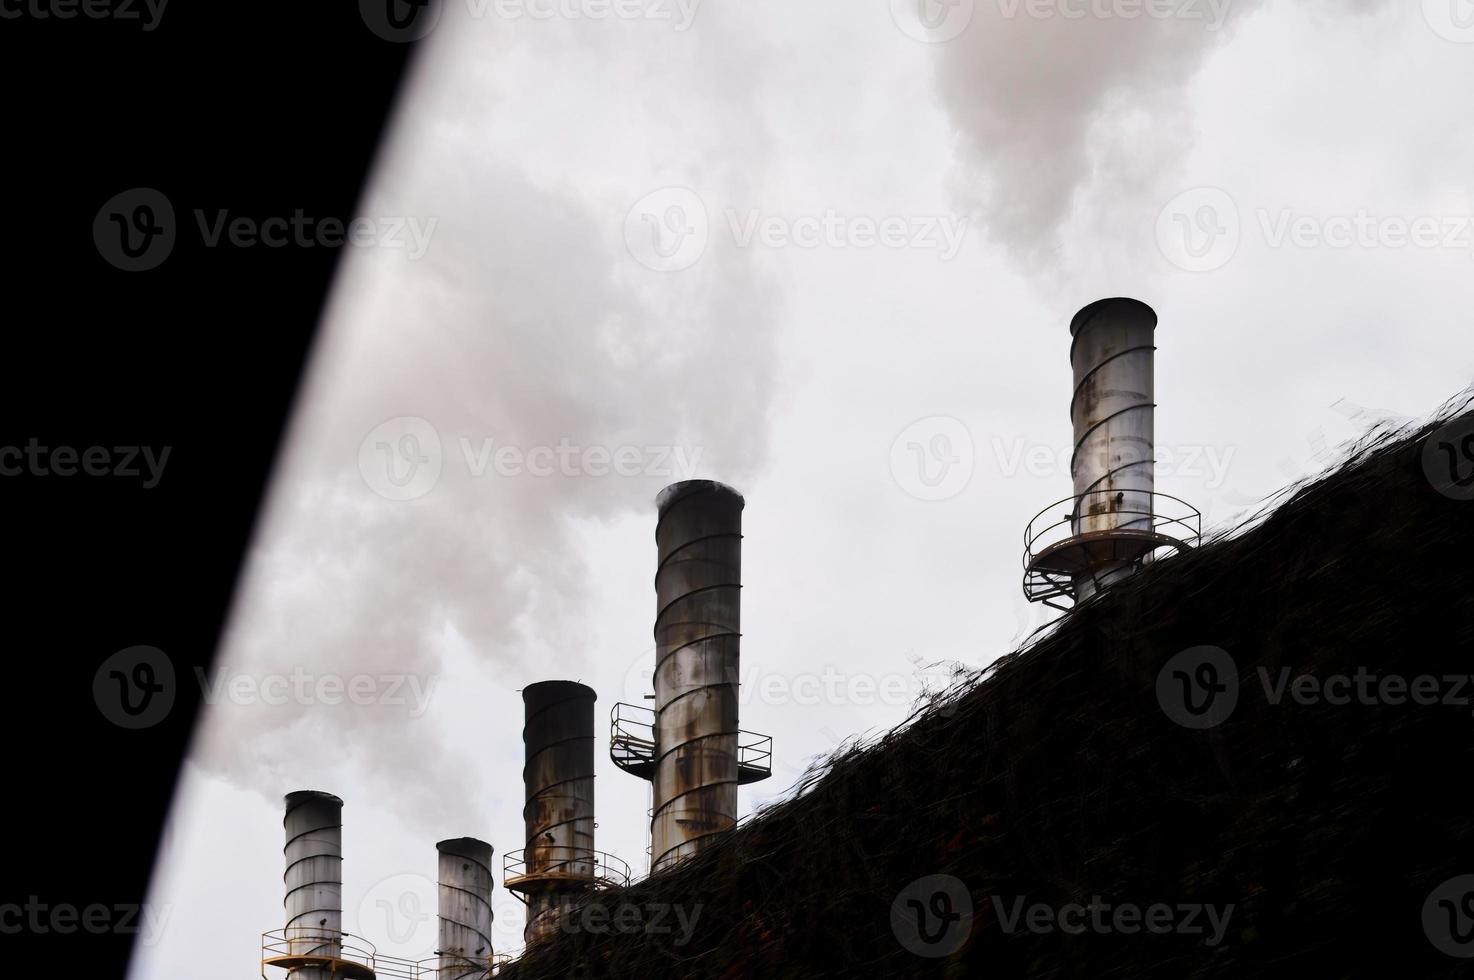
698,585
1112,354
314,881
465,879
1116,521
559,861
690,747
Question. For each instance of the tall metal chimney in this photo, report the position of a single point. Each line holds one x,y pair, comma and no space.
690,746
314,882
698,602
559,862
464,949
1116,520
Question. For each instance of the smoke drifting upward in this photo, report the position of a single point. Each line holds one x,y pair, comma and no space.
1034,97
1081,109
535,360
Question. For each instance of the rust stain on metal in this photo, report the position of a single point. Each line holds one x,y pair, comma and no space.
558,816
698,585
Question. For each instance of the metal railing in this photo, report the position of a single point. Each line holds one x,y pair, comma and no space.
565,865
632,738
1054,552
461,967
632,744
354,956
755,756
357,957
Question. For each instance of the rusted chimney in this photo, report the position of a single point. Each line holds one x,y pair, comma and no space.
1116,521
559,863
690,746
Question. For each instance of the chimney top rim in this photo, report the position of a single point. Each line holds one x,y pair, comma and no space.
688,488
1119,304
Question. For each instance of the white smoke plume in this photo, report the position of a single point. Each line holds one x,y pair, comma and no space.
527,326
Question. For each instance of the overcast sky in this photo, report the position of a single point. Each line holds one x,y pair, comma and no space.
827,252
